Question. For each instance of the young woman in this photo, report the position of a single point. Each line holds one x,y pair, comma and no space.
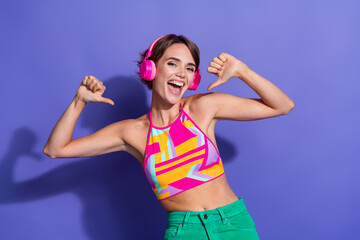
175,142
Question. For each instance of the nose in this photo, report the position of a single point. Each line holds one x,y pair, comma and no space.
180,73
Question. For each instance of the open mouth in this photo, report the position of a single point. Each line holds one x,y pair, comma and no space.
175,86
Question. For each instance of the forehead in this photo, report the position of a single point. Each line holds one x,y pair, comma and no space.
180,51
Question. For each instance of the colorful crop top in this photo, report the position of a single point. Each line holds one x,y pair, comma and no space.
179,157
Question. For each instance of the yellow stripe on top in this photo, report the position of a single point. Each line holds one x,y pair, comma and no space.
180,160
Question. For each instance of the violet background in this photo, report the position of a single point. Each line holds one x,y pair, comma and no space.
298,173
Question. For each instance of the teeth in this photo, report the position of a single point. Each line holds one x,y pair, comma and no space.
180,84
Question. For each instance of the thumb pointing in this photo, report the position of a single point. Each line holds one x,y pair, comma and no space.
215,84
107,100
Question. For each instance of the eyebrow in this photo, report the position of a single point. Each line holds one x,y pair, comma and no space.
178,60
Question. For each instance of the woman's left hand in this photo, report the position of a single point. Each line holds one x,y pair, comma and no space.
225,67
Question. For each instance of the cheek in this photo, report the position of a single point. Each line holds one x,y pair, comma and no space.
161,77
191,76
161,71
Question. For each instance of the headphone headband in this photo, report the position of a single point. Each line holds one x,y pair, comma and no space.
148,54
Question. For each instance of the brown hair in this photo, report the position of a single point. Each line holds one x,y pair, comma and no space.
164,43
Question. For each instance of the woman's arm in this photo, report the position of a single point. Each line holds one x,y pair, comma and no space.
273,101
108,139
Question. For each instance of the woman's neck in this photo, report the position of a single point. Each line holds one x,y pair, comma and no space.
164,113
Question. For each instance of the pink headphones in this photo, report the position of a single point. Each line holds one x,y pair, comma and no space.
148,69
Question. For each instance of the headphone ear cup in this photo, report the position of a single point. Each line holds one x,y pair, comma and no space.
196,81
147,70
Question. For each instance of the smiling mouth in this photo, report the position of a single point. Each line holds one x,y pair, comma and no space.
176,83
175,87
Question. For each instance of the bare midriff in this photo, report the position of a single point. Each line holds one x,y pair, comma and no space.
210,195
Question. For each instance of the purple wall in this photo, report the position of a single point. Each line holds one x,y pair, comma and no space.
297,173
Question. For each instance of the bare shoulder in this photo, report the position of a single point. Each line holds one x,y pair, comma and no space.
131,125
136,127
200,104
135,136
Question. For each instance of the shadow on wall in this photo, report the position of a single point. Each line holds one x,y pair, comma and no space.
116,198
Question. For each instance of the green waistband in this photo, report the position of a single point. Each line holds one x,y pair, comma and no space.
213,214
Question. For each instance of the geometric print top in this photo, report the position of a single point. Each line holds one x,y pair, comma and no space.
179,157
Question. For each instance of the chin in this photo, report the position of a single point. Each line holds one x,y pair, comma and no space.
173,99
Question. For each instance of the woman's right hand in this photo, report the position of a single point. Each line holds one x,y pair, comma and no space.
91,90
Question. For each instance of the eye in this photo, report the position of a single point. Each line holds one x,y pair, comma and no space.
191,69
171,64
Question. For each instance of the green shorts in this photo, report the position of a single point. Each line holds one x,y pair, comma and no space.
228,222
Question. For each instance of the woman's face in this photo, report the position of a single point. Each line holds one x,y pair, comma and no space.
174,73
